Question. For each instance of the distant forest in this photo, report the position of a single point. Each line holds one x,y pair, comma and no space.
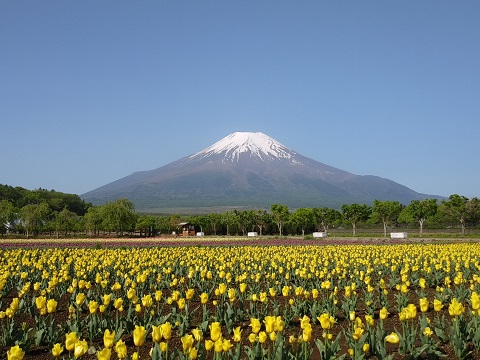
43,212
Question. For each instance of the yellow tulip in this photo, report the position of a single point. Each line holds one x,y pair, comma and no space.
437,305
279,324
189,294
92,306
139,335
218,346
255,324
79,299
81,347
393,338
357,333
455,308
209,345
57,350
237,334
121,349
366,348
269,322
156,333
15,353
70,340
423,304
222,288
105,354
427,332
181,303
203,298
304,321
163,346
108,338
193,353
215,331
326,321
252,337
383,313
242,287
106,299
147,301
118,303
187,342
197,334
226,345
307,333
166,330
51,306
475,299
262,337
40,302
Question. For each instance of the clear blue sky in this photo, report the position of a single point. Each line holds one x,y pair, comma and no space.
91,91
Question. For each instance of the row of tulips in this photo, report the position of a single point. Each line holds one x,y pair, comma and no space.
192,302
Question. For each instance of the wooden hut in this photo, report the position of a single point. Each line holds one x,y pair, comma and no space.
187,229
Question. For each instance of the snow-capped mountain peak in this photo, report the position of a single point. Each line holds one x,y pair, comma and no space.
252,143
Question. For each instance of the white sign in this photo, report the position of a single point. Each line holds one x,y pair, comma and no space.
252,233
320,234
398,235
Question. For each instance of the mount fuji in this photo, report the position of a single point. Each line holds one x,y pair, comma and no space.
247,170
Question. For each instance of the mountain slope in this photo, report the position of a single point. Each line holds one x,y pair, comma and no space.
247,169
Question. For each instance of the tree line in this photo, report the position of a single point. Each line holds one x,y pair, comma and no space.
35,212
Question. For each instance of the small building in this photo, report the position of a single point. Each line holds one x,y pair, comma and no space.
187,229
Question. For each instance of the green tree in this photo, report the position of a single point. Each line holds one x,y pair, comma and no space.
280,214
326,217
262,218
34,217
65,221
229,220
93,220
304,218
215,220
387,211
163,224
355,213
146,224
7,215
119,216
202,221
419,211
461,209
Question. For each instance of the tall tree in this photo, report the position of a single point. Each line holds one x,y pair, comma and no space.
355,213
262,220
7,215
280,215
304,218
325,217
119,216
460,208
93,220
387,211
215,220
65,221
34,216
146,224
421,210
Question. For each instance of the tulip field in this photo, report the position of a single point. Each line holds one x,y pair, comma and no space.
241,301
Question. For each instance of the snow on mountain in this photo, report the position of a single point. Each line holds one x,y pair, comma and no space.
252,143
